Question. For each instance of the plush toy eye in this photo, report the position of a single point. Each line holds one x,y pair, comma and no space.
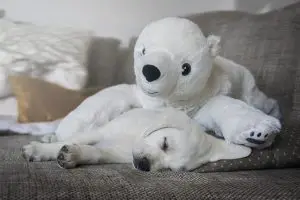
144,51
186,69
164,145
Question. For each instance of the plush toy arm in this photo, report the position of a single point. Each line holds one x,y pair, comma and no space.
98,110
245,88
238,122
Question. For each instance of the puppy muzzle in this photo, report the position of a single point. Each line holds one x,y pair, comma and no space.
142,164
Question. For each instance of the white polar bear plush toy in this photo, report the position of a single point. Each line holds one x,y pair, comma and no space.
177,66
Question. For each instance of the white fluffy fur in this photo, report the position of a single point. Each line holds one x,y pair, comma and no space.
138,134
219,94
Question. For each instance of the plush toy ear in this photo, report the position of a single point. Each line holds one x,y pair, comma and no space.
222,150
214,44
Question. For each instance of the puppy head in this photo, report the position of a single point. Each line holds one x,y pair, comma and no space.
181,145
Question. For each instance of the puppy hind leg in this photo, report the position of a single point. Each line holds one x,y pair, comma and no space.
71,156
48,148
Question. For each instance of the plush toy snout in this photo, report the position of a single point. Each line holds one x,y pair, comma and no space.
151,72
153,65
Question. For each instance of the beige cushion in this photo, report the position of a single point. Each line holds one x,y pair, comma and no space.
39,100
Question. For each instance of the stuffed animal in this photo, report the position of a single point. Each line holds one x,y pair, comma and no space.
177,66
151,140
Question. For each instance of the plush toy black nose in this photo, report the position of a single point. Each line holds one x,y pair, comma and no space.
151,73
142,164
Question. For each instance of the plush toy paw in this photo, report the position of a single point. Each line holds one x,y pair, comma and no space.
68,156
261,135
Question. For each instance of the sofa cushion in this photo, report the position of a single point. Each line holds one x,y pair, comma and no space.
267,45
295,116
102,65
270,55
20,179
284,153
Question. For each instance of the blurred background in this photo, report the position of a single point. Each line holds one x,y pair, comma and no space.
119,18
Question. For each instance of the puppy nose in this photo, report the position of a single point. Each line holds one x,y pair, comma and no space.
151,73
142,164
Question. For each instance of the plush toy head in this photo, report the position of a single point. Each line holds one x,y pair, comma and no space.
173,59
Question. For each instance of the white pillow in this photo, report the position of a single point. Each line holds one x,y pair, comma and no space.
55,54
9,107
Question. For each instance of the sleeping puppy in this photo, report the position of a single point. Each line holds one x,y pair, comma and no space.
151,140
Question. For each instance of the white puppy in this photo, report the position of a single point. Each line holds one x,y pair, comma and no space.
151,140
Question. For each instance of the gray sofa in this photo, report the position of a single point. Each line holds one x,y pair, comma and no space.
268,45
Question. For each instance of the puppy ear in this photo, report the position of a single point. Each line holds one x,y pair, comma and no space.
222,150
214,44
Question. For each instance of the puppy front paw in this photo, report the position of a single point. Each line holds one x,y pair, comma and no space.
31,152
68,156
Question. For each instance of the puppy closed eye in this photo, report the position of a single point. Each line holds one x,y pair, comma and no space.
144,51
165,145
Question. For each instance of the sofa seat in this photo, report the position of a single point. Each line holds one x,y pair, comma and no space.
20,179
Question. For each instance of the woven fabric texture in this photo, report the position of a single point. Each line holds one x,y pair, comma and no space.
21,180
